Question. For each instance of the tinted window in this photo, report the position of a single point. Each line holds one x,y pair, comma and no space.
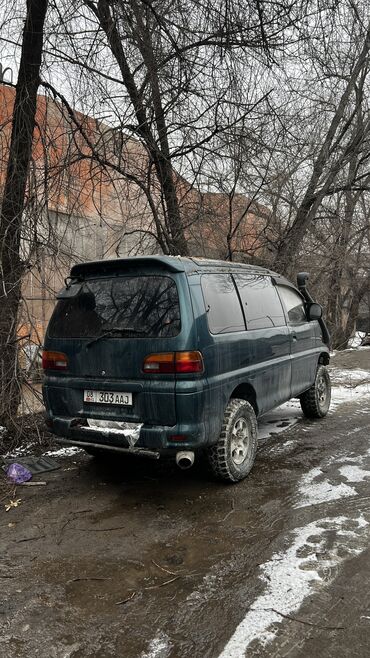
224,312
261,303
141,306
293,303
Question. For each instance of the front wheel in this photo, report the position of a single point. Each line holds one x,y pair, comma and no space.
232,457
315,402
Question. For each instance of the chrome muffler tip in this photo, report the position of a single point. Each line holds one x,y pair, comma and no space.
185,459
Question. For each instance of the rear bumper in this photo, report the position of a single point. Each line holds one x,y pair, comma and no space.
138,452
151,438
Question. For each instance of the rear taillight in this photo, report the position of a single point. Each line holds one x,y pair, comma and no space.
189,362
54,360
162,363
173,362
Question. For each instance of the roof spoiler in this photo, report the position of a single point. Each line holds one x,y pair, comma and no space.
107,266
302,279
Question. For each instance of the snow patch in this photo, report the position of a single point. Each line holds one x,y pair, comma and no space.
199,597
314,490
280,419
341,394
292,575
354,473
68,451
159,647
22,451
347,460
356,340
347,385
283,448
349,377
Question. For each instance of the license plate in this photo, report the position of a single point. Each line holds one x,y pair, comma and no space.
108,397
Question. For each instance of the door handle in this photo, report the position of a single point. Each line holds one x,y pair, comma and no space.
294,336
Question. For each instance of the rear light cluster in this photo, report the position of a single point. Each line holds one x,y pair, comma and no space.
173,362
54,360
163,363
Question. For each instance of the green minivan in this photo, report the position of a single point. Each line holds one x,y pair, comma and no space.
164,355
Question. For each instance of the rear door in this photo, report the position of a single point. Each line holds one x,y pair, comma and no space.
106,330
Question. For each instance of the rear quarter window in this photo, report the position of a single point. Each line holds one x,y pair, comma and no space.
121,306
224,313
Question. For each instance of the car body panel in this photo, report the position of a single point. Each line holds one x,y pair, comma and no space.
177,411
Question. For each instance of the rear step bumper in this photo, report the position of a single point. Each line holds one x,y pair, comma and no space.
155,439
138,452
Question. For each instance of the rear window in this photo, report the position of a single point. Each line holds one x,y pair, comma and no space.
130,306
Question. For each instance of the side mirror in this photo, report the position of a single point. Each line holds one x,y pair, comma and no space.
314,312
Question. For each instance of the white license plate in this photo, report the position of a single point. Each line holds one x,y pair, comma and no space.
108,397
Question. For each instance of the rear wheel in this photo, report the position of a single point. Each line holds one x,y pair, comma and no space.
232,457
315,402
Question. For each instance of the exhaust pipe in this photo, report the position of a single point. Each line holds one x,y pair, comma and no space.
185,459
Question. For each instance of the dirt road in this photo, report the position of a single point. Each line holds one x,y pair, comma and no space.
132,559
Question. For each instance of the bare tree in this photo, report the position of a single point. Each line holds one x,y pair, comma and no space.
172,75
346,137
12,270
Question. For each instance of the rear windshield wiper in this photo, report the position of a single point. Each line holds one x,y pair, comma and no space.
105,334
114,330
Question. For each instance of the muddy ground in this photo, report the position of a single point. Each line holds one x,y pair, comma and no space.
133,558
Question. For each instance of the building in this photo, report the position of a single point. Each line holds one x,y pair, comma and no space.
86,200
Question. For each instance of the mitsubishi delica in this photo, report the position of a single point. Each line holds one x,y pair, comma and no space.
162,355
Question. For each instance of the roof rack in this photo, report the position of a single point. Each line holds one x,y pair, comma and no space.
169,263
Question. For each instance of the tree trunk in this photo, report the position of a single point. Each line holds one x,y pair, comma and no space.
160,154
340,256
353,314
20,152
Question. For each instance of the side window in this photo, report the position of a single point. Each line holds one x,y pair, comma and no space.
293,303
224,312
261,303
